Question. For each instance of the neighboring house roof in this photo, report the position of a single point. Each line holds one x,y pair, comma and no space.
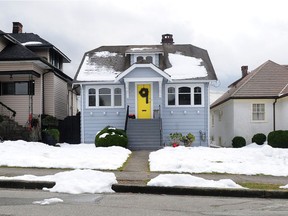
107,62
33,40
19,50
269,80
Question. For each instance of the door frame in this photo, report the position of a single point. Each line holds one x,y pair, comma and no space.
136,98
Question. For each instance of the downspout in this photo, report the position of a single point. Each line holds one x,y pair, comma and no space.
274,114
82,115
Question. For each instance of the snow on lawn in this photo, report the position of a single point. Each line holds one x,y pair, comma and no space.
186,180
250,160
83,156
75,181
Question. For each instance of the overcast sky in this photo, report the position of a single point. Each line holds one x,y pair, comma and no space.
235,33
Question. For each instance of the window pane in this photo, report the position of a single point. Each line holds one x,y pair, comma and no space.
171,99
21,88
8,88
117,100
171,90
104,91
184,99
149,59
92,100
258,112
92,91
184,96
197,96
139,58
104,100
117,91
184,90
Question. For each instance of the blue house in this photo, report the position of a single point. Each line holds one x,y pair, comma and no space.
148,90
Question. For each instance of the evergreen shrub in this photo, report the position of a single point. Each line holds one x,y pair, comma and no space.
238,142
278,139
110,136
259,138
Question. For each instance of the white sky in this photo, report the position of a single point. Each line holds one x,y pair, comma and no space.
235,33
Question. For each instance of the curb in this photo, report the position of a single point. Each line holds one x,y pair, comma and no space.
193,191
21,184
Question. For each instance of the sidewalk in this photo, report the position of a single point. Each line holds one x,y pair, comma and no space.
136,174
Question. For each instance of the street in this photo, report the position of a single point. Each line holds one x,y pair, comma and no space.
20,203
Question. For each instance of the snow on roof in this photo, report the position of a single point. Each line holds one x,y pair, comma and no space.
31,43
91,71
185,67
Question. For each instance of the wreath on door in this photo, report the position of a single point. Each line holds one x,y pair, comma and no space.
144,92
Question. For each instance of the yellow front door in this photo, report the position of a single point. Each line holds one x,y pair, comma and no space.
144,101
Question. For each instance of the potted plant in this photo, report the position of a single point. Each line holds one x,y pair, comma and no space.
188,139
175,139
50,133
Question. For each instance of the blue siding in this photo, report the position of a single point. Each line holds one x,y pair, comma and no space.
193,121
94,119
183,119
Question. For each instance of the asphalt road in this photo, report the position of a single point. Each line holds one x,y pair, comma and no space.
20,203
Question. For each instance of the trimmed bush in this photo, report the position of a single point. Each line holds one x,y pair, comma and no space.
259,138
111,136
278,139
238,142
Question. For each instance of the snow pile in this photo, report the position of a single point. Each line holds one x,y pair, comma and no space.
35,154
250,160
90,71
48,201
185,67
186,180
74,182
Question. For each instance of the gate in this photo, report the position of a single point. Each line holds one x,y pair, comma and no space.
70,129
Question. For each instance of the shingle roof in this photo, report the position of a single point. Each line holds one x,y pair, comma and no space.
17,52
121,61
269,80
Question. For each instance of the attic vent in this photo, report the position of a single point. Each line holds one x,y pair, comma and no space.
167,39
17,28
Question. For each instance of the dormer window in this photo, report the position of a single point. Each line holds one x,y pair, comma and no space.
139,58
149,59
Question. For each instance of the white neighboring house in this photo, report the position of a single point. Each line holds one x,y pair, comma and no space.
256,103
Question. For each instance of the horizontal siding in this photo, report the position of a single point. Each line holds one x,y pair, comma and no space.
20,103
95,120
49,94
18,66
61,96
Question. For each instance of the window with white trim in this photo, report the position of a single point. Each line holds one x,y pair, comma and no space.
184,95
258,112
105,96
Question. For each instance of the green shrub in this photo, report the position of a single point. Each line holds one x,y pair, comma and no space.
278,139
259,138
110,136
238,142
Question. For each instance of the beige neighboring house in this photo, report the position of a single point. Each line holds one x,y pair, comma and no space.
256,103
32,81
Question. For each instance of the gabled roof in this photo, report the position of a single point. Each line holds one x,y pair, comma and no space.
269,80
116,59
17,51
31,40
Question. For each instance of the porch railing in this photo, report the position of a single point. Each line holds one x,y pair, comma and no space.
127,117
11,112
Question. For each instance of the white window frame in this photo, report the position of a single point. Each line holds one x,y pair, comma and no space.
252,113
112,88
191,86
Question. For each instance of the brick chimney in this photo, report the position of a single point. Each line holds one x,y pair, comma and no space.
167,39
244,70
17,28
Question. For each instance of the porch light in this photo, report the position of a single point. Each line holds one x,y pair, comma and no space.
91,113
171,112
104,113
185,112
